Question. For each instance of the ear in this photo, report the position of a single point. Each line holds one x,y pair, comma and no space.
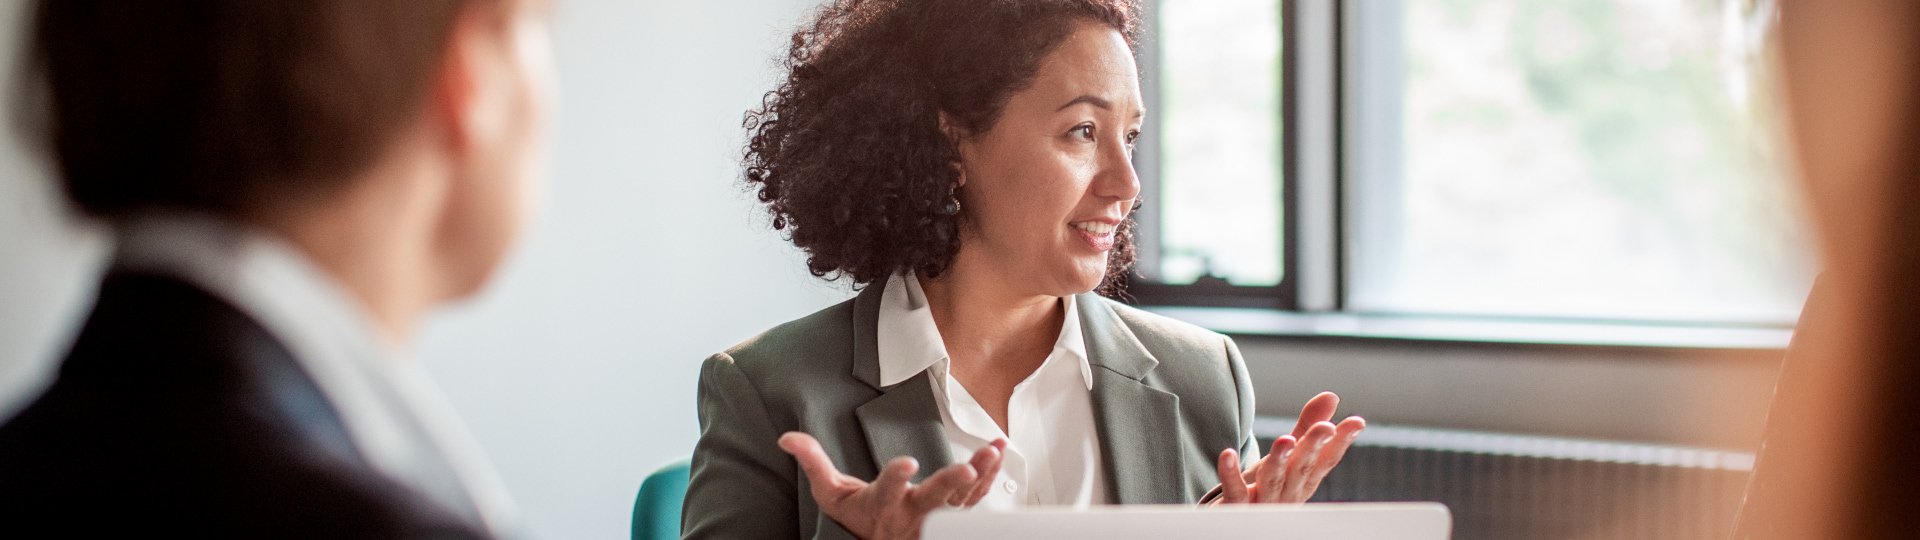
958,137
459,95
947,126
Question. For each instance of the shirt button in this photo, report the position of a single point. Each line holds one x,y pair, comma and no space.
1010,486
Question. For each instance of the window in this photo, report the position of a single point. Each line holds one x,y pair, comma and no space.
1220,141
1599,160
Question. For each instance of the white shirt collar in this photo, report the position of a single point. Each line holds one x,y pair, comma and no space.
909,342
392,411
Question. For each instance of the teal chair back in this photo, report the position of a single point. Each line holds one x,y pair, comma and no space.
656,512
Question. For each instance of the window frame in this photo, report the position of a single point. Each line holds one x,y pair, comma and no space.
1287,295
1321,42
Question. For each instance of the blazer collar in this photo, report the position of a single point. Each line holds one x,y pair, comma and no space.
1139,425
866,341
909,341
1110,343
904,420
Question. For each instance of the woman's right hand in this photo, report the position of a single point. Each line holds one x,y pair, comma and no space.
891,507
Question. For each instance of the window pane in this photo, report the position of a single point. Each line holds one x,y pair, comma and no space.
1580,158
1219,151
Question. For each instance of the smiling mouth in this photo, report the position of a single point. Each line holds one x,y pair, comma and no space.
1095,228
1098,235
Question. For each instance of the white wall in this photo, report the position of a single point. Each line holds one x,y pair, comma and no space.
576,370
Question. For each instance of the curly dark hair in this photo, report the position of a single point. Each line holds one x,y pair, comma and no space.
848,153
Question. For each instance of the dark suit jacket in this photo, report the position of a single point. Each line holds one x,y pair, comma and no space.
1167,396
177,415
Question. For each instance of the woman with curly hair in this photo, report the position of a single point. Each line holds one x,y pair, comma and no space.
968,163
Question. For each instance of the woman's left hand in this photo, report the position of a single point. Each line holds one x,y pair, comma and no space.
1292,470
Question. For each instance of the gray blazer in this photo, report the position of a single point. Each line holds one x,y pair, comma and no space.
1167,398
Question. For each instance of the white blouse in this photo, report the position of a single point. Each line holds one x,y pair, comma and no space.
1053,455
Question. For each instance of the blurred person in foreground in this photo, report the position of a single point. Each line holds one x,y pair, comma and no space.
1845,421
294,186
968,162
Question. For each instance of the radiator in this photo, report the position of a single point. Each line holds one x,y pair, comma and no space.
1506,486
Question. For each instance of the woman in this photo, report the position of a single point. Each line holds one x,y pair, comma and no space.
968,162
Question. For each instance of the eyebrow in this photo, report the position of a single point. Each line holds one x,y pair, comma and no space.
1096,101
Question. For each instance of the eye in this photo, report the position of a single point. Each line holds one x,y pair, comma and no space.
1084,132
1132,138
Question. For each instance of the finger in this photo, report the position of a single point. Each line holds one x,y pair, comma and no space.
1343,437
1233,487
828,484
1301,466
989,471
1273,470
1319,409
941,487
985,462
894,480
1250,472
1330,455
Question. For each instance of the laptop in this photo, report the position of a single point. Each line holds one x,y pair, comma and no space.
1321,521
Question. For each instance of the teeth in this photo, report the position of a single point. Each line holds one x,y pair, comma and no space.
1094,227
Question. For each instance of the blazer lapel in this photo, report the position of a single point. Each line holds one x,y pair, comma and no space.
904,420
1139,425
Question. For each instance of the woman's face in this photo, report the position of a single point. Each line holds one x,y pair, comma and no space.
1046,188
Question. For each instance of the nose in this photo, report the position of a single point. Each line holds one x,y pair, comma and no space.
1117,178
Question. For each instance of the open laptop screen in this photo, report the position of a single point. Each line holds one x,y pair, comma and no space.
1398,521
